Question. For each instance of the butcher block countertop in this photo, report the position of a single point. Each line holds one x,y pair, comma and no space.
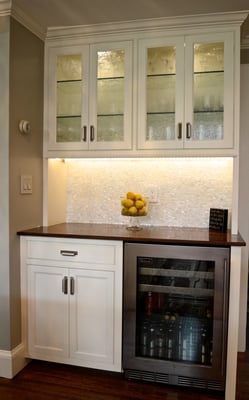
148,234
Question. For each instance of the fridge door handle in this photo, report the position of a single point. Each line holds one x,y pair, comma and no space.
225,309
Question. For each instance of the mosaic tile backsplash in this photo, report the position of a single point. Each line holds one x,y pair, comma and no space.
185,189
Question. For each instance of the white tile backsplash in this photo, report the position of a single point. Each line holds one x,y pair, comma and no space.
187,188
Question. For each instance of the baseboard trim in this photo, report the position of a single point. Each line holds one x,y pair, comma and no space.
12,362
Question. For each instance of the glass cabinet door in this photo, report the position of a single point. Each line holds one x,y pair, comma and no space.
160,100
90,97
209,91
67,100
111,96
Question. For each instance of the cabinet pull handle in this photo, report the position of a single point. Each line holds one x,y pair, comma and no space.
64,285
69,253
72,286
84,133
179,136
91,133
188,130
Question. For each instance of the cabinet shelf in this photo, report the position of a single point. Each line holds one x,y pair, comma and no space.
69,81
110,115
208,111
159,75
209,72
67,116
193,292
110,78
176,273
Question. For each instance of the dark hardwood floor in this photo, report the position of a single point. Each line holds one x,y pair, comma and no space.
49,381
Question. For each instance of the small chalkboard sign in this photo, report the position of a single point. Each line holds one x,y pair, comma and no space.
218,219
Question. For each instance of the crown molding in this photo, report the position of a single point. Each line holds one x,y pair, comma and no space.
165,23
5,7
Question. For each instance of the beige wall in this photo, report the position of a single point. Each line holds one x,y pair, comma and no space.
4,173
24,153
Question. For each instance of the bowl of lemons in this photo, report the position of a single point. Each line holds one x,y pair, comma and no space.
133,206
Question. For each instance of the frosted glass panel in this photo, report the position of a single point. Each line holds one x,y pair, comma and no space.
69,98
161,60
208,126
69,67
208,57
111,63
68,129
161,94
208,91
110,128
111,96
160,127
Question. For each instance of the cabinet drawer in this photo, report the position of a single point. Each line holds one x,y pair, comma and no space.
74,250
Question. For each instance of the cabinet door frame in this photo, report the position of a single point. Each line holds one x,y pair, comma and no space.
36,305
92,316
127,128
143,45
228,138
50,99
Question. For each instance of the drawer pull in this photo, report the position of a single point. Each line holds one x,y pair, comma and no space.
69,253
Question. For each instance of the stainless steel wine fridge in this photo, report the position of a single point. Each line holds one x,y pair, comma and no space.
175,314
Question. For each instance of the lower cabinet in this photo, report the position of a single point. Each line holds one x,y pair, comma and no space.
73,291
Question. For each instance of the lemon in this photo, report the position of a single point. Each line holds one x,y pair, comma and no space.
138,196
133,210
144,200
127,203
125,211
142,211
131,195
139,204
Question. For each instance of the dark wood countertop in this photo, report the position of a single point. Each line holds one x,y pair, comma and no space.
149,234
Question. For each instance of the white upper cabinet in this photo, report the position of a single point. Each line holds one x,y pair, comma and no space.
186,92
153,88
89,97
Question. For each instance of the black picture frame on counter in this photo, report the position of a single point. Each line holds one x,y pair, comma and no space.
218,219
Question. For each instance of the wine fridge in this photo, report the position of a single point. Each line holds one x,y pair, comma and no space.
175,314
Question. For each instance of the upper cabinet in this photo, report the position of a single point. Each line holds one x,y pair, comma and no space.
186,92
150,88
90,97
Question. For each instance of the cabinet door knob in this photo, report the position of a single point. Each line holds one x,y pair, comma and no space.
72,285
64,285
91,133
188,130
179,136
84,137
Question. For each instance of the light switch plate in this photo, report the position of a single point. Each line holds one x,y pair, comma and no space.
26,184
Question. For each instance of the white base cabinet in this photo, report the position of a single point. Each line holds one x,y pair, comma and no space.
73,307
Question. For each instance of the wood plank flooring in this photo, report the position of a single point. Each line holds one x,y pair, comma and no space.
49,381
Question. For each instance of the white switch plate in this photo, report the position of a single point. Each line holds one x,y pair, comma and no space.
26,184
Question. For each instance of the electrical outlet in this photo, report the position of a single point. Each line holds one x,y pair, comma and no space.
152,194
